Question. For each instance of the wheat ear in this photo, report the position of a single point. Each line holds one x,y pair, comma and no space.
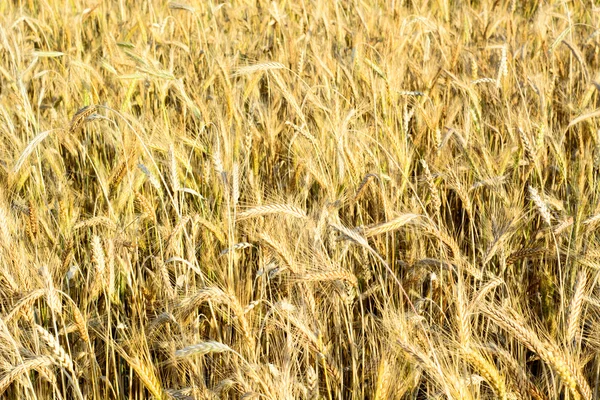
79,118
26,366
284,209
29,149
525,252
148,377
540,205
548,352
51,295
32,222
58,352
576,306
433,192
488,371
389,226
250,69
22,307
382,385
99,261
202,349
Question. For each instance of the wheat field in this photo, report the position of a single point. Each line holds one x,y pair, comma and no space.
254,199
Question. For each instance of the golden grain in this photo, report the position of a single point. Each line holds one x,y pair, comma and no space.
378,200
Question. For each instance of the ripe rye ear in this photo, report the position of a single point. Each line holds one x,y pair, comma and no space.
80,117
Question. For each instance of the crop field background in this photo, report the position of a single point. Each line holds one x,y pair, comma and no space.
304,199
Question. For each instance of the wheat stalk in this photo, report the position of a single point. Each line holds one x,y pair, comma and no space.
503,67
382,385
117,176
99,275
80,321
145,206
287,94
304,132
235,247
522,384
527,147
363,185
176,230
178,6
312,382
